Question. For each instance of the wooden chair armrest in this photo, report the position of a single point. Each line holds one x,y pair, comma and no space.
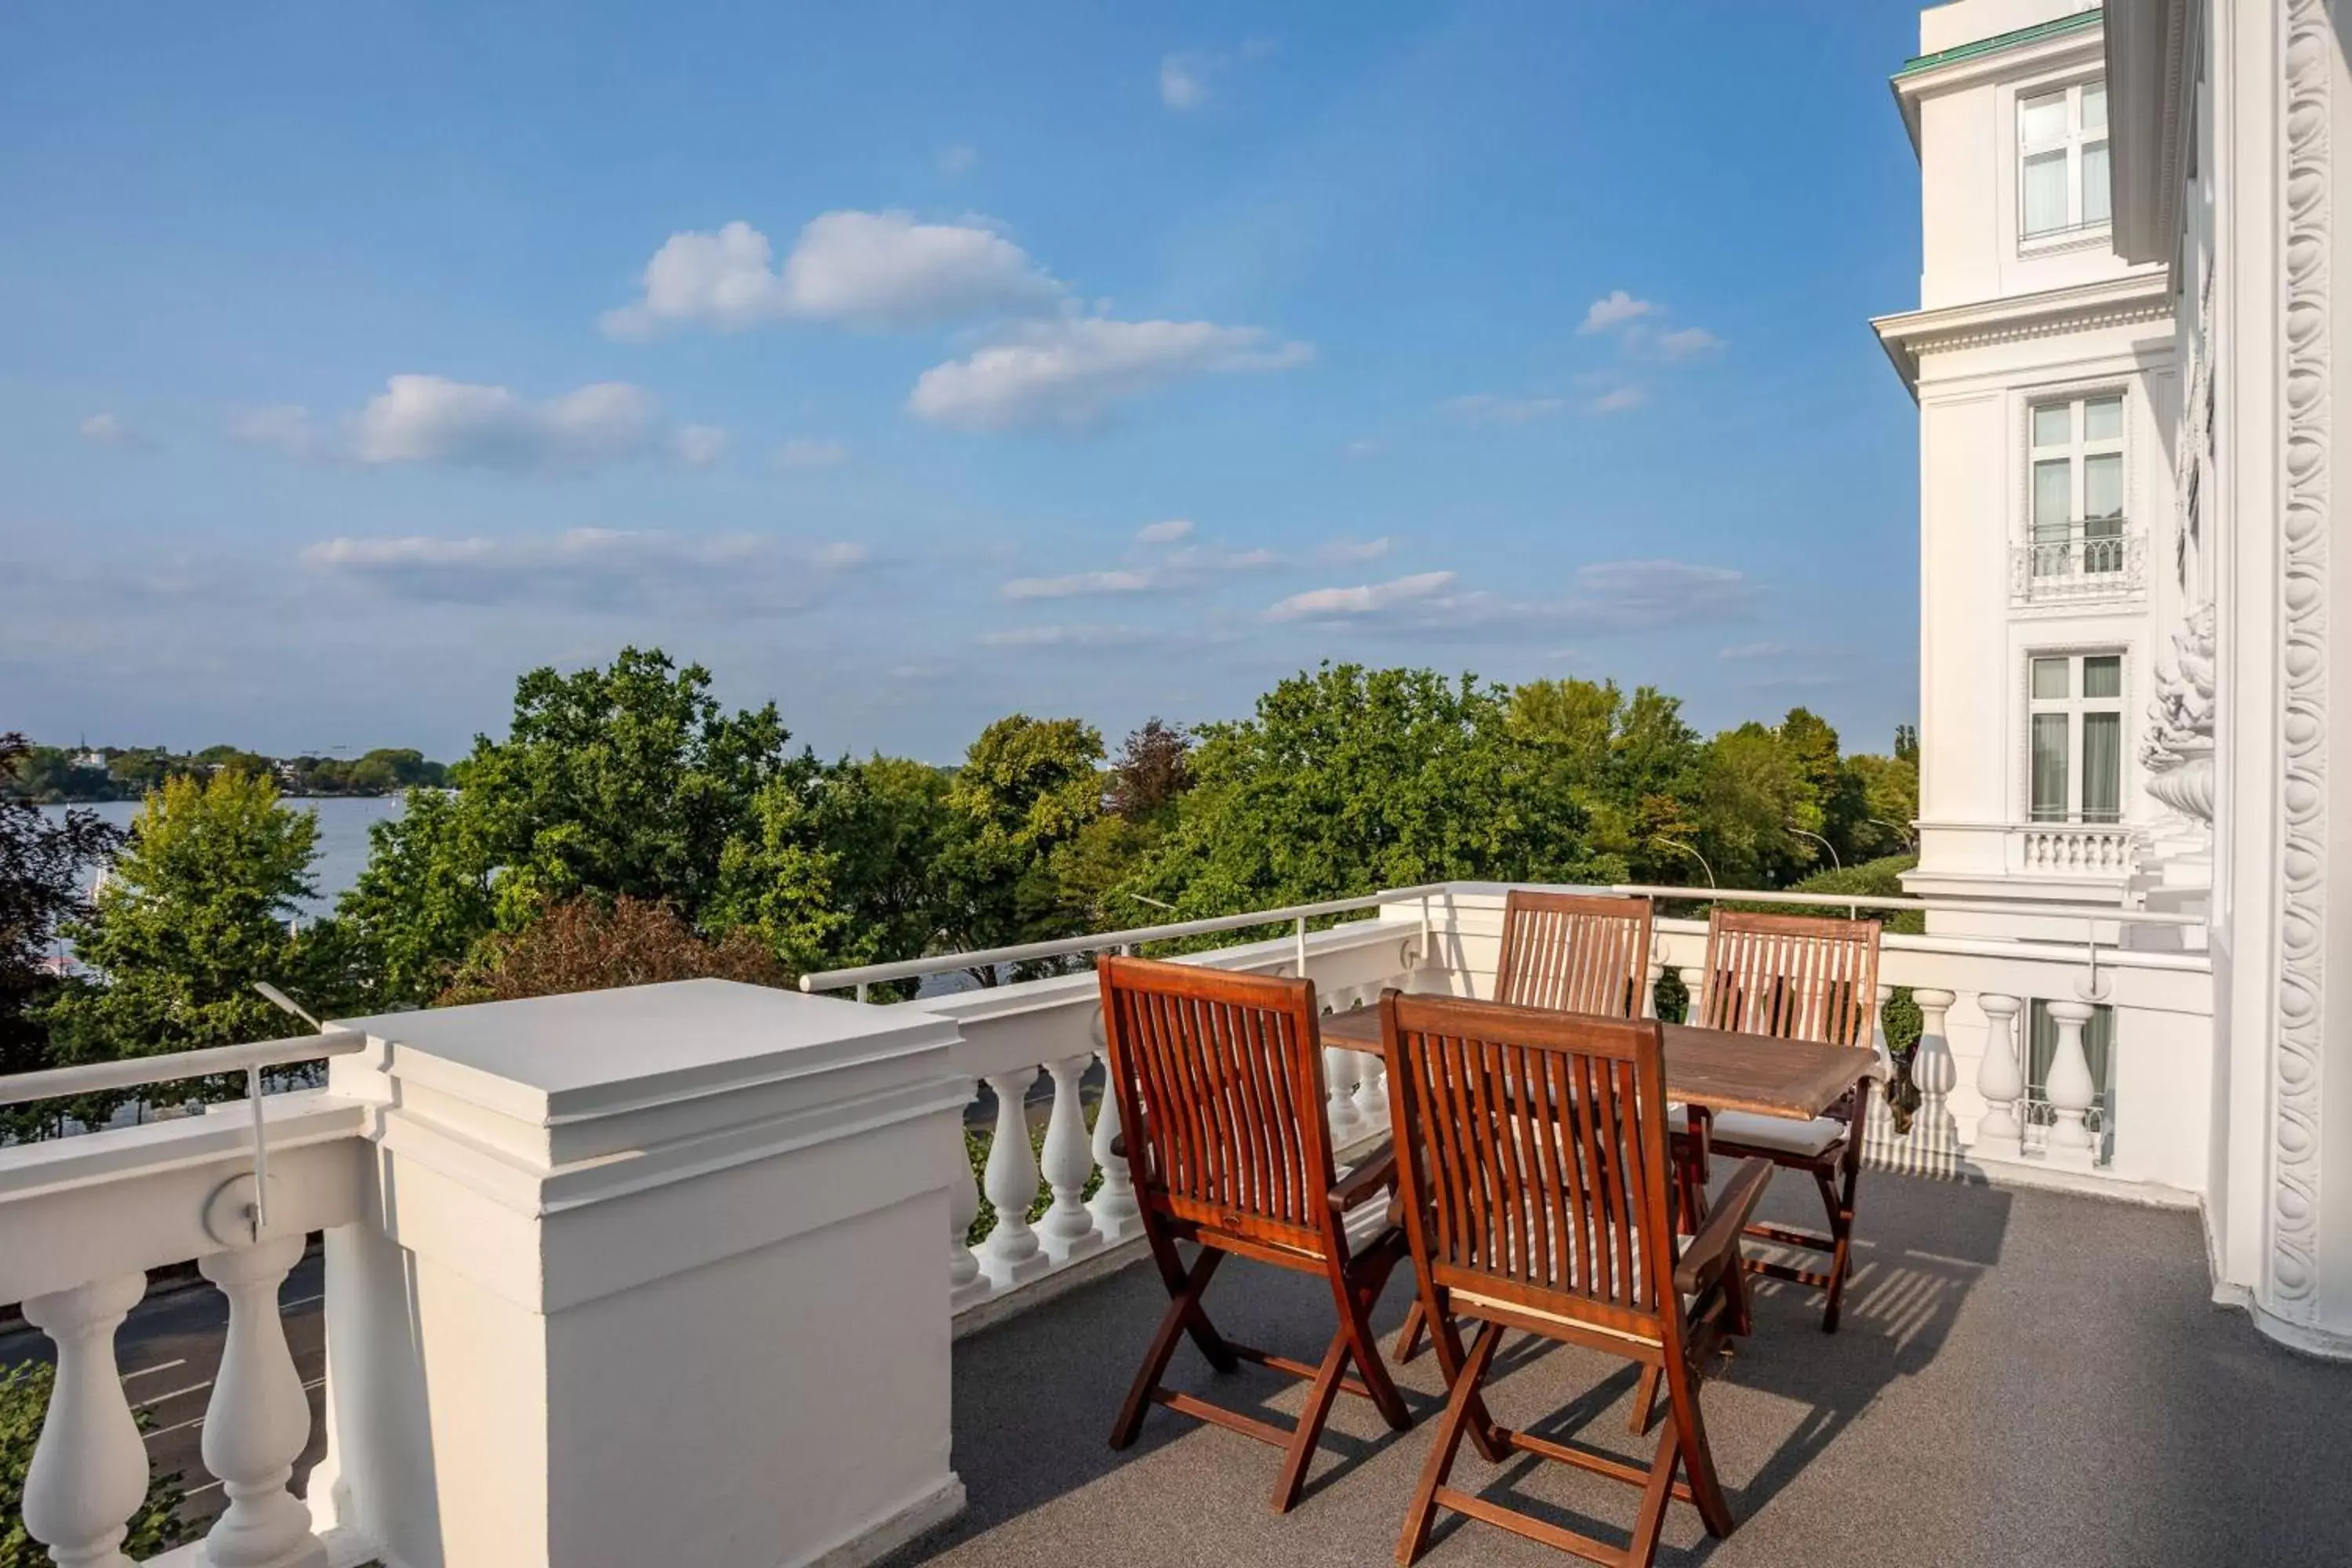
1375,1174
1717,1241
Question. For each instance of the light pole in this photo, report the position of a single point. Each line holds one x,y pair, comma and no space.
1678,844
1820,840
1902,835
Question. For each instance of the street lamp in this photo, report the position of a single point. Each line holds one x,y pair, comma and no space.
1678,844
1820,840
1903,835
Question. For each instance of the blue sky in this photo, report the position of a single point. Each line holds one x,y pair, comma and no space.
915,365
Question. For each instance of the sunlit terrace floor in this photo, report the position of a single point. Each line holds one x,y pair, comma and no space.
2021,1377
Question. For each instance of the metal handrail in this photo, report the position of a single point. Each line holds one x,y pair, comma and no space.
137,1072
1024,952
1859,901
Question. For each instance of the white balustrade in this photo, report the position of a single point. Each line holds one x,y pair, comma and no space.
1339,1083
1011,1253
1371,1097
966,1283
88,1473
2000,1077
1066,1230
1114,1208
1933,1073
259,1419
2070,1090
1656,972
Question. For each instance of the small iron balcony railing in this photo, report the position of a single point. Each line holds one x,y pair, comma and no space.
2093,560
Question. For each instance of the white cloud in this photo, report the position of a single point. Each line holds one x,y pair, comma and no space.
1753,650
807,452
284,425
1171,570
1366,599
960,159
1487,408
1083,635
1183,81
1351,550
1363,448
432,419
110,430
589,569
1169,532
1685,343
1635,595
1070,373
698,446
1614,310
1075,584
1618,399
861,268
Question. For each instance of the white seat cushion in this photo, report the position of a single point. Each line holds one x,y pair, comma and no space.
1778,1133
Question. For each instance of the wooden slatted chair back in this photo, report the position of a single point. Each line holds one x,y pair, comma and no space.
1574,953
1532,1158
1798,977
1222,1095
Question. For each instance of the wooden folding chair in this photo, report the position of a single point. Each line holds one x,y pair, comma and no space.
1574,953
1533,1162
1798,977
1221,1097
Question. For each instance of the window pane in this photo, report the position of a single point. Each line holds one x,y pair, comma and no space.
2050,679
2094,183
2045,192
2095,107
2103,485
2053,424
2103,676
2049,766
2054,497
2103,419
2041,119
2102,753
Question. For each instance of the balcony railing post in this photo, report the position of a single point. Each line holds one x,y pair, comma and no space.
2070,1091
1999,1077
1339,1082
1934,1075
1114,1207
259,1419
88,1473
1066,1229
1011,1254
966,1284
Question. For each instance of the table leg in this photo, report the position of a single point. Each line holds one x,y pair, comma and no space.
1692,1169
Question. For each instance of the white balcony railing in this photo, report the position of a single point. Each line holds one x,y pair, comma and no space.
513,1181
2091,562
2105,850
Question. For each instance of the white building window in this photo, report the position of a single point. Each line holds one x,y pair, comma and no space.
2077,464
2076,737
2061,158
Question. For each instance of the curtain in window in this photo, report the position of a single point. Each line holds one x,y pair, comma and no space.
2096,208
2103,766
2049,767
2045,192
2053,499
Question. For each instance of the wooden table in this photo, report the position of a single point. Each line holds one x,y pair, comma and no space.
1710,1070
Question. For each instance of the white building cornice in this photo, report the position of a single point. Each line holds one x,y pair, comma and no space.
2057,42
2151,66
2141,296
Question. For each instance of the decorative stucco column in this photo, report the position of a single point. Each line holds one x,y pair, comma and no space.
648,1276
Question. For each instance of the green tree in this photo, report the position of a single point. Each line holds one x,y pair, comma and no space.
1154,767
627,780
1756,802
1347,780
197,908
44,864
1631,765
1027,789
24,1400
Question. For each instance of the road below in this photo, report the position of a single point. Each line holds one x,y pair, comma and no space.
170,1351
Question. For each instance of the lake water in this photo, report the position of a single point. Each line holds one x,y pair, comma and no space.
343,824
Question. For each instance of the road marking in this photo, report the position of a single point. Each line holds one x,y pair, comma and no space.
175,1394
176,1426
159,1366
303,1301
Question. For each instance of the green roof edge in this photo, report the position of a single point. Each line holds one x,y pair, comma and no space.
2056,25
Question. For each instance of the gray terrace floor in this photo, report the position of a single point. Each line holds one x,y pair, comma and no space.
2021,1377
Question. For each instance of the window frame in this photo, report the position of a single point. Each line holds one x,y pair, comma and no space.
2074,706
2102,551
2076,142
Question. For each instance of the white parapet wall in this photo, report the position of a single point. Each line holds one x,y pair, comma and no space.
644,1276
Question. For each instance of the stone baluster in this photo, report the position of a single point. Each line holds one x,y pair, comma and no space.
1371,1092
1656,972
1066,1229
2070,1090
88,1473
1339,1083
1934,1129
1879,1045
1011,1254
1999,1079
1114,1208
966,1283
259,1419
1694,998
